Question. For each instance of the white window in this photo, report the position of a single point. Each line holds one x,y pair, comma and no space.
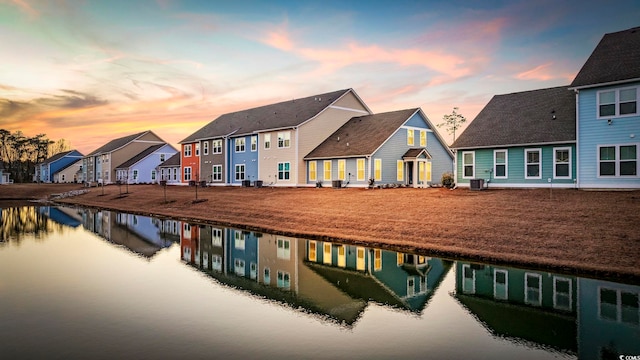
423,138
153,175
533,164
216,147
468,279
267,141
284,249
313,171
135,175
410,139
239,240
267,276
312,250
216,262
284,139
187,173
254,143
533,289
618,160
342,172
360,170
205,148
500,284
238,267
400,170
284,280
500,161
411,286
284,170
162,157
198,149
240,143
468,164
327,170
562,163
617,102
377,169
187,150
175,174
216,174
239,172
216,237
619,306
562,294
253,270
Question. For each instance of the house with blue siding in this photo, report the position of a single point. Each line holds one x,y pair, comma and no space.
525,139
142,168
5,176
608,125
399,147
48,169
266,143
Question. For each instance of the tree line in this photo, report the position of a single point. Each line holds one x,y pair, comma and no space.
19,153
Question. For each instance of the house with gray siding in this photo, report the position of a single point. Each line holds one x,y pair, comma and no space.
524,139
169,170
607,92
399,147
266,143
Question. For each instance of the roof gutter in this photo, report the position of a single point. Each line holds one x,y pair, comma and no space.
512,145
604,84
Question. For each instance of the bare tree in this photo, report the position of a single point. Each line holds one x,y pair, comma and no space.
453,122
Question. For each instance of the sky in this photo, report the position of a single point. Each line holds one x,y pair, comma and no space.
92,71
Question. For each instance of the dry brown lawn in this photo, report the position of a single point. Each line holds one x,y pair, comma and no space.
590,233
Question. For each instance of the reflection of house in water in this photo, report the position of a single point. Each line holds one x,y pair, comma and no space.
595,319
62,215
279,268
608,319
141,234
521,305
406,281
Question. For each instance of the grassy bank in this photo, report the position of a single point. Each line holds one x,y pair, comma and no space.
593,232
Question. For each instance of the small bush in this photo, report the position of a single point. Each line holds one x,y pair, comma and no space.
448,180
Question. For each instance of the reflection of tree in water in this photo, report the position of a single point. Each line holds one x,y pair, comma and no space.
15,223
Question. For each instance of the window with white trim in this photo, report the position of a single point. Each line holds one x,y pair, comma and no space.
533,289
617,102
377,169
216,173
198,149
267,141
327,170
162,157
313,172
360,169
266,275
284,249
254,143
342,173
562,163
284,139
238,267
312,250
240,144
216,146
239,172
205,148
500,284
411,286
468,164
400,170
284,280
619,306
187,173
284,170
410,139
533,164
423,138
187,150
618,160
239,240
216,237
468,279
500,160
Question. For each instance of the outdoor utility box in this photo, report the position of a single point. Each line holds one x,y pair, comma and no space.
258,183
476,184
336,183
192,183
246,183
203,184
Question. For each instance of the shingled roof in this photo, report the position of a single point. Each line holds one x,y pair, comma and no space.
143,154
528,117
275,116
172,161
117,143
57,156
615,59
361,135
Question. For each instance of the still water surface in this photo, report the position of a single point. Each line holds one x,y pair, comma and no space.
80,283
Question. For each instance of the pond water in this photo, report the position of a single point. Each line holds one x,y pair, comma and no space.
80,283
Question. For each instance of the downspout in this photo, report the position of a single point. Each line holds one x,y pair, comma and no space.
455,167
226,161
369,166
296,156
577,182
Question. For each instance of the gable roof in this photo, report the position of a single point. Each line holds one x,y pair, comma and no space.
361,135
615,59
117,143
68,166
59,156
143,154
284,114
172,161
523,118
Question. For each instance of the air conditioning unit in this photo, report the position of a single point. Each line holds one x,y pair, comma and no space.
476,184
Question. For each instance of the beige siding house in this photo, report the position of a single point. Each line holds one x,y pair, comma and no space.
99,166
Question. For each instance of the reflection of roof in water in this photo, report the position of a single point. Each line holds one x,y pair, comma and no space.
345,314
521,323
63,217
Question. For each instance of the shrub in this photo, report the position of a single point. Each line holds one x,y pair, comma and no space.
447,180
